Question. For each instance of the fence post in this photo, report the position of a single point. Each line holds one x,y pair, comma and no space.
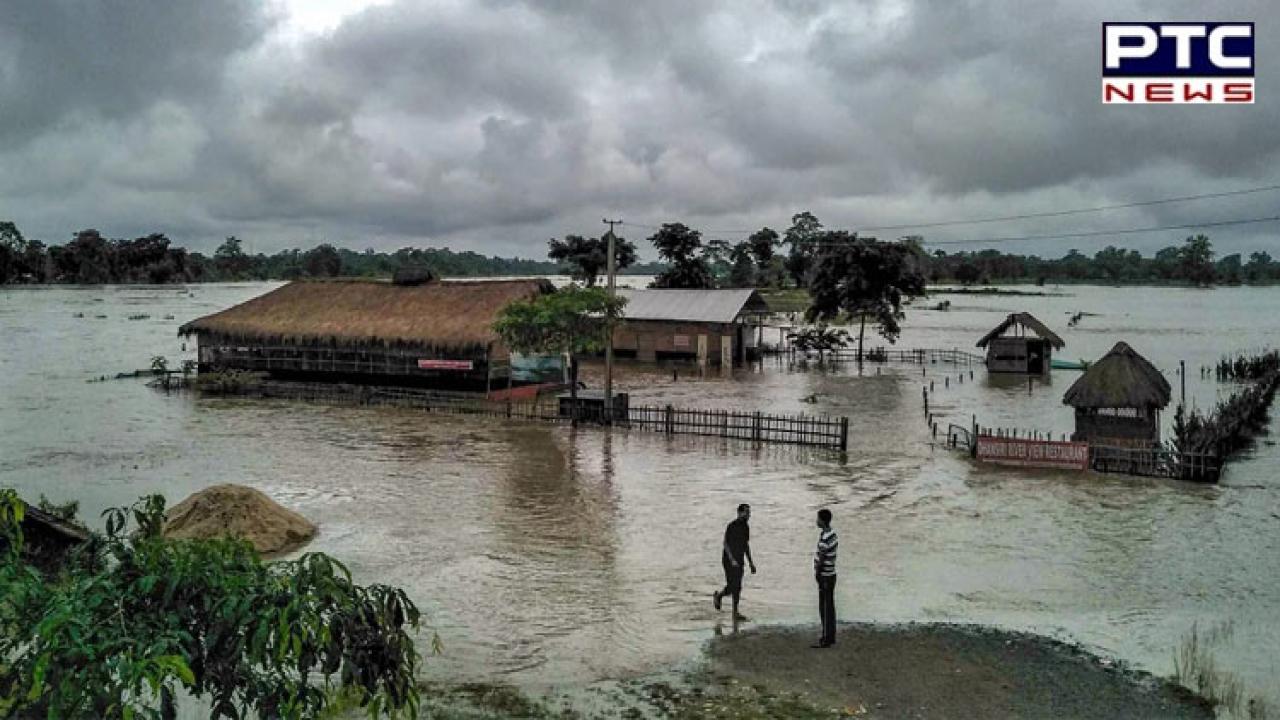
668,420
844,433
755,426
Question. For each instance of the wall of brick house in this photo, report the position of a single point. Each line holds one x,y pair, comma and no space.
648,338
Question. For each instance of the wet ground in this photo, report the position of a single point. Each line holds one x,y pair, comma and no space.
544,555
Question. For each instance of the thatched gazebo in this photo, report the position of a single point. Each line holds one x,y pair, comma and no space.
417,331
1011,350
1119,399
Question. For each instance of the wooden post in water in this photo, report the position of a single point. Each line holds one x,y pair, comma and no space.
844,433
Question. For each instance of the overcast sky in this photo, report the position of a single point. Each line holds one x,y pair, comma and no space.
492,125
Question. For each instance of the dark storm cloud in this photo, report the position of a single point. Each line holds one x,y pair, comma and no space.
64,58
493,124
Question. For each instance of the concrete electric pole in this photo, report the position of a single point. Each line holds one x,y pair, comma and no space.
612,267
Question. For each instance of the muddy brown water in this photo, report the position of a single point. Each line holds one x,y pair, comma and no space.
543,554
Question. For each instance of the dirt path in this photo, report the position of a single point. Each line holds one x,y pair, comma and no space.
949,671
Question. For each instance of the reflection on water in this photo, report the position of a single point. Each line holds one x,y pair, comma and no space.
543,553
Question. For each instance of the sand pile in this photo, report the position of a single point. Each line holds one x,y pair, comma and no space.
242,512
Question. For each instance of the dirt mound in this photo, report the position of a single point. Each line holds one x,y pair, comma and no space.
238,511
931,671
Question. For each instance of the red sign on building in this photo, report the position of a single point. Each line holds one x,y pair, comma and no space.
425,364
1033,453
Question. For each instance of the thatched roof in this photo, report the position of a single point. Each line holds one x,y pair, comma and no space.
434,314
1026,320
1121,379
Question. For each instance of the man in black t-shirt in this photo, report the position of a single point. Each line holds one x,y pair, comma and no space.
737,537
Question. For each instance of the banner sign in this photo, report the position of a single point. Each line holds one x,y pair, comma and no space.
1033,453
424,364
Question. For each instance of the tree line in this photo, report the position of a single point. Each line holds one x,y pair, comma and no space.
769,259
765,258
90,258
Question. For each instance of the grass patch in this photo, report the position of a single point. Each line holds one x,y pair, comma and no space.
1196,667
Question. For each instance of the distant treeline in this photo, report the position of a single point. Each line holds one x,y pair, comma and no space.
687,262
91,258
1191,263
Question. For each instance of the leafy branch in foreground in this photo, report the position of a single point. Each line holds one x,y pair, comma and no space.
131,619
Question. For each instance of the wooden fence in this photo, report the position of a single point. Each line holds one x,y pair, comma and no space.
811,430
916,356
820,431
1159,461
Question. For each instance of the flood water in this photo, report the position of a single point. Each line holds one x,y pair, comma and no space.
542,554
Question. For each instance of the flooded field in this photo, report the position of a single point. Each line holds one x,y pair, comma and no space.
543,554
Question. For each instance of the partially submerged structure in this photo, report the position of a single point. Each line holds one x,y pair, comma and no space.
1118,400
712,327
1010,349
414,332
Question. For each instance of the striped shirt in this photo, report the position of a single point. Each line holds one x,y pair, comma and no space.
824,560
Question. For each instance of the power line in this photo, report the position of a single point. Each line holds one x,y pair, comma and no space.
1029,216
1079,211
1092,233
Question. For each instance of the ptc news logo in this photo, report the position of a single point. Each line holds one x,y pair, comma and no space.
1177,63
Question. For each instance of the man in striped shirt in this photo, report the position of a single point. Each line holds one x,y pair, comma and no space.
824,571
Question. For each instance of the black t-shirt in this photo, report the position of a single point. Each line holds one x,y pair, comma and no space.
736,536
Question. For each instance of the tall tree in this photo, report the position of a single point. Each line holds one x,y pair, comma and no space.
322,261
1195,260
231,261
802,237
571,321
588,258
1259,267
864,279
682,248
12,247
742,271
762,245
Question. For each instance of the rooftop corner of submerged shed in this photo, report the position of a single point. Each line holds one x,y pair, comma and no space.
414,330
1021,343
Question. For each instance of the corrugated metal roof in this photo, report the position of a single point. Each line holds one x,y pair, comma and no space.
718,306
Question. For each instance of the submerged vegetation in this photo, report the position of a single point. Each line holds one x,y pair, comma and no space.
1231,425
1196,667
130,621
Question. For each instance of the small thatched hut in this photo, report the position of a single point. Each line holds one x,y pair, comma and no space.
1119,399
1011,350
424,332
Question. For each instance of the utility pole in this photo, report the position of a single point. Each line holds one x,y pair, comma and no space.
611,269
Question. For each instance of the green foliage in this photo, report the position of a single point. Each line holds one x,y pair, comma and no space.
864,279
66,511
803,238
682,248
135,618
588,258
820,339
743,272
228,382
1236,420
571,320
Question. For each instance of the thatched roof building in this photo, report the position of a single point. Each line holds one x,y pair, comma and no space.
426,328
1119,398
1010,349
453,314
1121,379
1023,321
